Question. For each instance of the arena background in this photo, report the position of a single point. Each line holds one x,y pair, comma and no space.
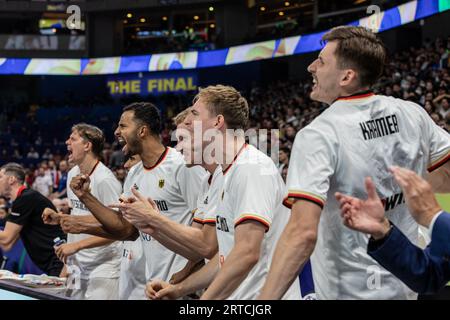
64,62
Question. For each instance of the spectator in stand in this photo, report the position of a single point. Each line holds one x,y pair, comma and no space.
61,191
283,159
43,183
120,175
33,154
117,157
47,155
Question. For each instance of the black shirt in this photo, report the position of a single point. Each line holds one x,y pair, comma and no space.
37,237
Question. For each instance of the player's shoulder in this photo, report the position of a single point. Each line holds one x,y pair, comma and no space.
103,174
252,161
73,172
172,160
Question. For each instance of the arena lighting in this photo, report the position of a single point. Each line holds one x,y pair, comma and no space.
164,18
212,25
211,9
196,17
142,20
189,60
281,13
287,4
262,8
129,15
125,21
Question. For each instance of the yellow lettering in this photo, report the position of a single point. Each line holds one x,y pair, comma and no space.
124,87
181,85
168,85
136,86
160,83
191,85
152,84
112,87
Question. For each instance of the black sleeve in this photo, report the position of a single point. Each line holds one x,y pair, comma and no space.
21,211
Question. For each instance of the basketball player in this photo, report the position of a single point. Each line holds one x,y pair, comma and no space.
249,214
98,259
360,134
161,174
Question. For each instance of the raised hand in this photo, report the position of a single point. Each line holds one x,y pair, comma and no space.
419,195
80,185
364,215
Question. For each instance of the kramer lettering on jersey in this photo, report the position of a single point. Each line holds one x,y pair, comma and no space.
379,127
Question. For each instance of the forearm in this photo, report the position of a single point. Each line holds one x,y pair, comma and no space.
417,268
183,249
6,242
237,266
440,179
184,240
112,222
90,225
200,279
291,254
93,242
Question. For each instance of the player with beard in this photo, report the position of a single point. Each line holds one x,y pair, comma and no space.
162,175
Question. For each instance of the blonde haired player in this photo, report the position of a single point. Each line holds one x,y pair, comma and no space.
249,214
98,259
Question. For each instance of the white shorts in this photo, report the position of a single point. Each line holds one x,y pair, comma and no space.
96,289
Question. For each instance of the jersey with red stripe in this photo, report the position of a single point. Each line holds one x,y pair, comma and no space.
103,261
354,138
252,189
174,188
208,196
133,266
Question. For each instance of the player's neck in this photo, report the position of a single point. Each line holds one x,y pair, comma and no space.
151,152
210,167
88,164
232,146
347,92
14,191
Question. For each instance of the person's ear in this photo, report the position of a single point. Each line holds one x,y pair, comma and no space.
11,180
348,77
220,122
87,146
142,131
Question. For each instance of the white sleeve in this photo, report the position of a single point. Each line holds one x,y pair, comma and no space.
439,142
313,162
109,191
253,194
190,181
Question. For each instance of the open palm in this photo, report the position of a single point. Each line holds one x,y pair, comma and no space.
362,215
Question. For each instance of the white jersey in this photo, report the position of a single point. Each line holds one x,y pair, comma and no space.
356,137
174,188
252,189
133,266
42,185
104,261
206,210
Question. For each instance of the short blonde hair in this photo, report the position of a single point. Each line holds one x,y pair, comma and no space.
93,135
179,118
227,101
